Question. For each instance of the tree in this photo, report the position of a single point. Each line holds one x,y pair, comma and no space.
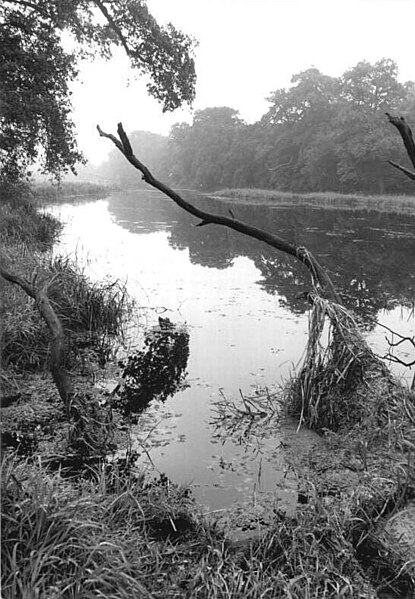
202,153
328,133
35,69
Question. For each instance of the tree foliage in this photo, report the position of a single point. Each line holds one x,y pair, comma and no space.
36,68
322,133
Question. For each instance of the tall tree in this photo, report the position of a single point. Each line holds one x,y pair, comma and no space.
203,153
35,69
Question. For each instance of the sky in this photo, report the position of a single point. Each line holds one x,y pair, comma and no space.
246,50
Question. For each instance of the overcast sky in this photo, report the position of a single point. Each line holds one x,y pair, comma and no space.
247,49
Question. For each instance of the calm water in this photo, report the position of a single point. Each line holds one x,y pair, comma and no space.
237,301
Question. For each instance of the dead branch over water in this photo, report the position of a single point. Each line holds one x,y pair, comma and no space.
321,281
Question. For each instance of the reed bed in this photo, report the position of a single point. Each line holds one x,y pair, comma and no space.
327,199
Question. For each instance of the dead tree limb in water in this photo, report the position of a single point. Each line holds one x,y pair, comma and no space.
39,292
322,283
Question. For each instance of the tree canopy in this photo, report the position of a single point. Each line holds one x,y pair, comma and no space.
36,68
322,133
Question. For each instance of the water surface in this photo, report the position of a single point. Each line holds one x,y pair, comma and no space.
237,300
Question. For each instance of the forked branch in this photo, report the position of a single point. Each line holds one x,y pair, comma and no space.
321,281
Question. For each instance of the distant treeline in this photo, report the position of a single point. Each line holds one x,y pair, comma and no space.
323,133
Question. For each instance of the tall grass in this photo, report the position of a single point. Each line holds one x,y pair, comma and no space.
45,192
84,539
22,223
92,314
116,535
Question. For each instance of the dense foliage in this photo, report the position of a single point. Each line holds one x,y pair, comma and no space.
36,67
323,133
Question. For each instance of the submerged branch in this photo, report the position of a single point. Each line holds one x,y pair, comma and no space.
321,281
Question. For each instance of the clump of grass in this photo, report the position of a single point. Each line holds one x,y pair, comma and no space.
92,314
88,538
21,222
342,383
113,533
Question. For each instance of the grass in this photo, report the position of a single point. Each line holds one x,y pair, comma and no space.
22,223
92,314
115,535
93,311
387,203
46,192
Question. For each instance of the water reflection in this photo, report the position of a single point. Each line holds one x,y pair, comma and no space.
368,254
157,371
244,326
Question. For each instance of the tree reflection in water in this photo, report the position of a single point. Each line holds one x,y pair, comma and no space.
367,253
155,372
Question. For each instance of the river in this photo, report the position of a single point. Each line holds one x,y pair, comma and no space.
235,302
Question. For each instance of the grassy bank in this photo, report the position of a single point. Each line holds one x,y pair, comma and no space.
65,191
92,314
385,203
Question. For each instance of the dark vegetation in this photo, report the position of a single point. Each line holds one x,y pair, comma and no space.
321,134
35,65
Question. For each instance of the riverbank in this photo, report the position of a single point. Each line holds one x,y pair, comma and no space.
106,529
330,200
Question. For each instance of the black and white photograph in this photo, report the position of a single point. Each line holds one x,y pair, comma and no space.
207,250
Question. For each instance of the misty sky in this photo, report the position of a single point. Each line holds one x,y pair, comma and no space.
247,49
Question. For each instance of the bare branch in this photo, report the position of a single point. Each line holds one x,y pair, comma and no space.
23,283
406,134
404,170
321,280
392,344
